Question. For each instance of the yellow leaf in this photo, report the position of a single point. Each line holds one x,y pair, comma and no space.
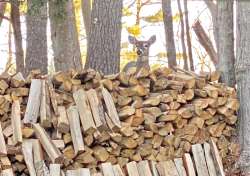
176,17
155,66
179,56
129,55
157,17
124,45
126,11
162,55
135,30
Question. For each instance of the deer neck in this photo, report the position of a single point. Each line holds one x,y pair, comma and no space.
142,61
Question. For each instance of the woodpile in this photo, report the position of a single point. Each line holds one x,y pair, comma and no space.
79,120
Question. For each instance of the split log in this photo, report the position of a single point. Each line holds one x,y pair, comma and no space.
199,159
55,169
143,168
62,121
7,172
107,169
188,164
3,149
27,149
132,169
209,160
16,122
180,167
167,168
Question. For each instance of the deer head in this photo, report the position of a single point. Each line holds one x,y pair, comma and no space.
142,47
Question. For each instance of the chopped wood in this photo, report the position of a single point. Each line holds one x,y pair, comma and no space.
180,167
84,110
117,170
53,98
27,149
54,154
132,169
62,121
3,149
33,105
107,169
199,159
217,158
75,129
188,164
54,169
209,160
16,122
7,172
41,169
144,168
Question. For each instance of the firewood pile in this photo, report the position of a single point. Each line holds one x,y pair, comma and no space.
80,120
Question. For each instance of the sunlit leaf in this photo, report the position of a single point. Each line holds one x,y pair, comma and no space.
162,55
135,30
124,45
157,17
126,11
155,66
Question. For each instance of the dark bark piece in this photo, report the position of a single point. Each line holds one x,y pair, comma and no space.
36,49
168,24
104,47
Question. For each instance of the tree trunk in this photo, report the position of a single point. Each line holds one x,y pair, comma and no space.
213,8
2,10
15,18
242,70
226,41
205,42
86,12
184,50
64,36
169,33
105,36
36,50
189,45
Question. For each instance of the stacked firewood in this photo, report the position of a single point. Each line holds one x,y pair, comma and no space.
82,119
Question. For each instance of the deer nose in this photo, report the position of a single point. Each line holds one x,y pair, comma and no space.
139,52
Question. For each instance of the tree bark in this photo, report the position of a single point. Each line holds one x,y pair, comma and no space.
64,36
86,12
2,10
169,33
205,42
15,19
213,8
189,45
36,50
242,70
226,41
184,50
105,36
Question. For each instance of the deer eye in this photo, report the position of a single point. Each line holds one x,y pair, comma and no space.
146,45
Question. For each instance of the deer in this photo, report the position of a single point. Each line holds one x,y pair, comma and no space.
142,51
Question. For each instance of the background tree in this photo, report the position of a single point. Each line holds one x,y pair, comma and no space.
184,50
168,25
15,19
226,41
242,70
36,23
64,36
189,43
2,10
103,52
86,13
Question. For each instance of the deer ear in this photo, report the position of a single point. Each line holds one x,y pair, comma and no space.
132,39
152,39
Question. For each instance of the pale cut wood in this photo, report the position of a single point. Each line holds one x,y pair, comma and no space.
180,167
209,160
112,112
62,121
8,131
199,159
53,98
83,172
7,172
33,105
45,114
107,169
16,122
97,110
188,164
75,129
37,151
27,149
132,169
71,173
3,150
84,110
144,169
41,169
59,143
153,168
55,169
117,170
97,174
54,154
217,158
167,168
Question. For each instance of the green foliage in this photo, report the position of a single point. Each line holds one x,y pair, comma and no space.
60,12
35,6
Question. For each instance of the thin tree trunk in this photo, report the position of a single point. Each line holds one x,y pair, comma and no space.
169,33
15,18
242,70
205,42
2,10
226,41
36,49
64,36
10,58
189,45
213,8
105,37
86,12
184,50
